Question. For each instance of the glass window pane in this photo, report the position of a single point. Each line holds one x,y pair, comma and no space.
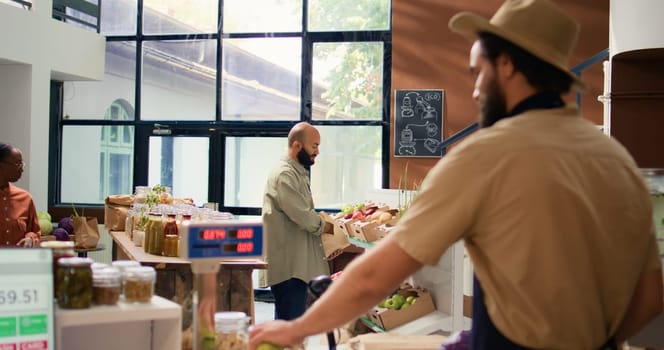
181,163
179,80
92,99
348,80
349,165
342,15
180,17
118,17
249,161
101,168
257,16
261,79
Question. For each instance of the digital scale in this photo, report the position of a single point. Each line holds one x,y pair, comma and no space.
206,245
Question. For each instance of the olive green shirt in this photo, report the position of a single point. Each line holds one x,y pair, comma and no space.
292,226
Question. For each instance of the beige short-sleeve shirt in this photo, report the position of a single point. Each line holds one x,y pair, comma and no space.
556,219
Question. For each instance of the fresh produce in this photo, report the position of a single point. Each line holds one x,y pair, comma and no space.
398,301
268,346
67,224
43,215
46,226
61,234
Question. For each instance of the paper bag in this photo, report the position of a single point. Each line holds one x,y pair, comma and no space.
86,232
115,211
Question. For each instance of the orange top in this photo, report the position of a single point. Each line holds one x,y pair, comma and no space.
18,215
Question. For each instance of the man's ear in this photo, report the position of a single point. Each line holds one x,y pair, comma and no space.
505,66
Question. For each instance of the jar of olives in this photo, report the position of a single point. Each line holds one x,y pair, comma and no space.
231,330
106,286
139,284
74,278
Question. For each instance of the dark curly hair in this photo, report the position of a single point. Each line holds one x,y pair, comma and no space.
5,150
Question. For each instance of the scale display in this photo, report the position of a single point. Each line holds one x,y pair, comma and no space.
222,240
26,299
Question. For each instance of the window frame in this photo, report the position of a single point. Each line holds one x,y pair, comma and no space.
219,129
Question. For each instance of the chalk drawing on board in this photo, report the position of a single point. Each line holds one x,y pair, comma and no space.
418,122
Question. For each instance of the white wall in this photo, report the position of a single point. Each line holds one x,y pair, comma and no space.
635,24
43,49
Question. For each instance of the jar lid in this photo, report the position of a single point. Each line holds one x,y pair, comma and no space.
57,244
229,316
123,264
76,261
142,273
108,273
99,266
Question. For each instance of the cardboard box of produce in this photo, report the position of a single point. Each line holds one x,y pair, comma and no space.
391,318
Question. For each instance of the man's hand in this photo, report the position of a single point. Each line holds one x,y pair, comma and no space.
329,223
277,332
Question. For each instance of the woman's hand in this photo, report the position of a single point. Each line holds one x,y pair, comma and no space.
30,240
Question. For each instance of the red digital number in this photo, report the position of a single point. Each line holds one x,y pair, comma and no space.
210,235
245,233
245,247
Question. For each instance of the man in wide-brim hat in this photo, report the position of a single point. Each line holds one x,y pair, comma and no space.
555,215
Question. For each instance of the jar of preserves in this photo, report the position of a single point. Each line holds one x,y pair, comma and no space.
231,330
154,235
106,286
139,284
122,266
61,249
74,283
172,245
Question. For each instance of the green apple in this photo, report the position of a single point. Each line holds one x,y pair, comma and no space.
405,305
268,346
390,304
382,303
410,299
399,300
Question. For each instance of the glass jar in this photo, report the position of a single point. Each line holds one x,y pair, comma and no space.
231,330
140,194
139,284
61,249
122,266
74,283
106,286
655,179
172,245
154,235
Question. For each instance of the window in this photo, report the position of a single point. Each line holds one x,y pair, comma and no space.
200,97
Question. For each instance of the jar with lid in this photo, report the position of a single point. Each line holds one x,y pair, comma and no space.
61,249
655,179
154,235
140,194
123,265
74,283
106,286
171,237
139,284
231,330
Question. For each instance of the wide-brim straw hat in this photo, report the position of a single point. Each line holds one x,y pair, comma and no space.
537,26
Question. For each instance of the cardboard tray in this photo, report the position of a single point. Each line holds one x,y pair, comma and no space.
389,319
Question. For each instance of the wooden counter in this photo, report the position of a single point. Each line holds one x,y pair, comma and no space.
235,291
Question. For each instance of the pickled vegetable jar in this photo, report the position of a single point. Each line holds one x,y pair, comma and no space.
231,331
74,283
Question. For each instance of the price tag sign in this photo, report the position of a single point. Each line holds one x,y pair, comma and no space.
26,299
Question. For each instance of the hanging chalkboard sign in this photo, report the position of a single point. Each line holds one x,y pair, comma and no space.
418,123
